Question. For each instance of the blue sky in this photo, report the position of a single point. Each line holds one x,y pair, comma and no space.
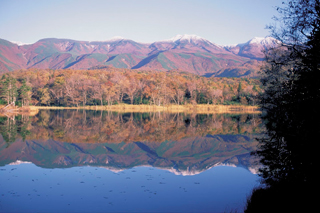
220,21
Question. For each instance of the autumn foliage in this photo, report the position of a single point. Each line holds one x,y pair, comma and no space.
114,86
89,126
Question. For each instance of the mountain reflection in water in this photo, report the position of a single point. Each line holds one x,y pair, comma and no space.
181,143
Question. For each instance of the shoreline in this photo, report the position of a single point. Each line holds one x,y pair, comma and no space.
199,109
127,108
12,111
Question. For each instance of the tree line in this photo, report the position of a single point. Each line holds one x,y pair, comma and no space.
115,86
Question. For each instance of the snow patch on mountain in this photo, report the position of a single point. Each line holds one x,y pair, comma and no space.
185,37
116,38
267,41
113,39
230,45
19,43
194,39
264,41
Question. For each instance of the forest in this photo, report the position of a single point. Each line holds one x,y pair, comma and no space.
112,86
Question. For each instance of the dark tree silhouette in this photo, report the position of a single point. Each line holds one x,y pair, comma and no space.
290,101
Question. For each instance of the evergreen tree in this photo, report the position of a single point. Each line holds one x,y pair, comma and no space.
239,90
25,93
9,89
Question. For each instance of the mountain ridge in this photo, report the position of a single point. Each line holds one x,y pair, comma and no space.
190,53
177,157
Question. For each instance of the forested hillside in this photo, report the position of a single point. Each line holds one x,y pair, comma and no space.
114,86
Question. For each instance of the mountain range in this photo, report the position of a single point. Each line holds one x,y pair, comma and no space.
189,53
188,156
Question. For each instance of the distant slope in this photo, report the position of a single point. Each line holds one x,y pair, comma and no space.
188,53
254,48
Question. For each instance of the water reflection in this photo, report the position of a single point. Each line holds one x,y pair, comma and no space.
27,188
94,161
102,126
182,144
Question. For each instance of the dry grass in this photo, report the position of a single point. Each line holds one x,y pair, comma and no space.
200,108
11,111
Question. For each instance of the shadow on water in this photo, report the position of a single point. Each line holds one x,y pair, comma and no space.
288,158
288,154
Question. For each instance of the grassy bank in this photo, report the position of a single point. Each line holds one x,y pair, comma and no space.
200,108
11,111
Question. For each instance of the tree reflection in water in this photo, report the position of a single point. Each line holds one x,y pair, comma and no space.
183,143
84,126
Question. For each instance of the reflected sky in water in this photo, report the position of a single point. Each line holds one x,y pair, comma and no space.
28,188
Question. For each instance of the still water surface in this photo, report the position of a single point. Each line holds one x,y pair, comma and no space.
87,161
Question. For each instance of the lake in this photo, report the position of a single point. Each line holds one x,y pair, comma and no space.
100,161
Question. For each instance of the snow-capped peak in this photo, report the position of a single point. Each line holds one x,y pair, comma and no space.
267,41
264,41
185,37
116,38
19,43
189,38
194,39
